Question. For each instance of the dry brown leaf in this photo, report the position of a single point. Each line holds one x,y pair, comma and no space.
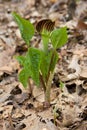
29,121
6,69
38,94
1,127
70,24
37,125
71,8
6,62
6,90
74,65
7,126
4,96
81,8
81,25
18,113
20,98
82,126
10,67
83,73
7,110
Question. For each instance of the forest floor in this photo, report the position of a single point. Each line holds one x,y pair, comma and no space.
68,110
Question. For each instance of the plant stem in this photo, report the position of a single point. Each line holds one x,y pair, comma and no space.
42,83
48,89
49,81
53,54
30,87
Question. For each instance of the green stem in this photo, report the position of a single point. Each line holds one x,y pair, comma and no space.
48,89
53,54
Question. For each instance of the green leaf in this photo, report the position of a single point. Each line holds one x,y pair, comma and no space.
26,71
23,76
45,64
21,59
26,28
34,55
31,66
59,37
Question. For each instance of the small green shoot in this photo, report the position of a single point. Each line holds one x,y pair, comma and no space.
55,114
61,85
39,64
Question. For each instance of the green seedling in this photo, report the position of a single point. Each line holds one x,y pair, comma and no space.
55,114
61,85
39,64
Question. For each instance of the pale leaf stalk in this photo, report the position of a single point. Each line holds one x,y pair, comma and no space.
30,86
42,83
48,88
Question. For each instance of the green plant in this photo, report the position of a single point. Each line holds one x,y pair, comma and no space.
55,114
61,85
39,64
